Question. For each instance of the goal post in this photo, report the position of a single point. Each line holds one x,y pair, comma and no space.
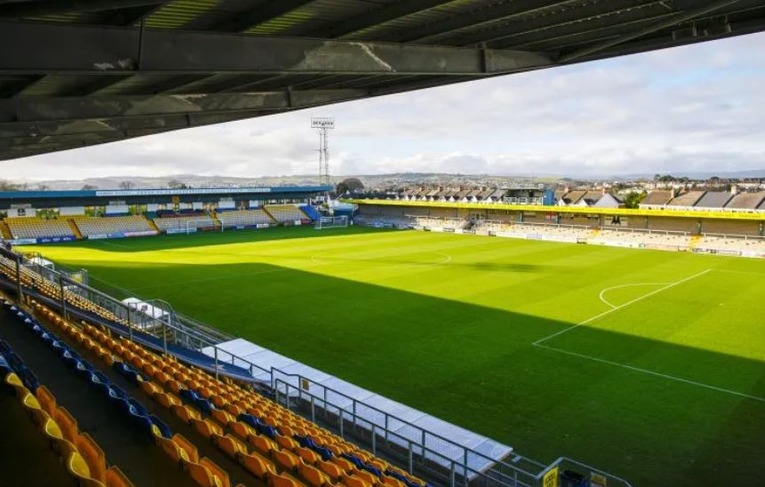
327,222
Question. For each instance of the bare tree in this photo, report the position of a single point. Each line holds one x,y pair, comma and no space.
127,185
175,184
8,186
88,187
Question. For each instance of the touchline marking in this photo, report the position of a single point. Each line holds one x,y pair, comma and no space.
651,372
733,271
603,292
609,311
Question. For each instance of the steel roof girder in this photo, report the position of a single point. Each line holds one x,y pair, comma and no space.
49,48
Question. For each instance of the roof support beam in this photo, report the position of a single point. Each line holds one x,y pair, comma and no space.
271,10
72,49
51,7
571,18
380,16
485,15
33,109
672,21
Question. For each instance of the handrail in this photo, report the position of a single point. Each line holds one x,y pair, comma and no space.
453,465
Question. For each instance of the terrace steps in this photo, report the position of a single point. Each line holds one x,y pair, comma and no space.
265,210
75,230
5,231
152,225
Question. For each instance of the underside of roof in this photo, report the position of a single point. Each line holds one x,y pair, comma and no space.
75,73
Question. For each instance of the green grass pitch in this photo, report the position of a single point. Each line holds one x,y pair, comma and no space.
650,365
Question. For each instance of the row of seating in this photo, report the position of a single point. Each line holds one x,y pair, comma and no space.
33,227
203,471
228,404
244,218
263,436
185,222
286,213
113,225
82,456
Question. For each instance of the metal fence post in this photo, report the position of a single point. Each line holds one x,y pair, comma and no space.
215,349
340,417
18,278
374,443
63,295
130,324
411,458
164,336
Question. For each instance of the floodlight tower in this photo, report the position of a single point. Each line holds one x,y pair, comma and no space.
323,125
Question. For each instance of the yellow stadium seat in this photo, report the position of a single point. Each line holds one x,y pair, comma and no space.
314,476
185,413
167,400
262,444
285,481
220,477
46,399
200,474
206,428
342,463
309,456
67,424
223,417
188,447
353,481
366,476
333,471
150,388
286,460
229,445
286,442
241,430
115,478
259,466
391,482
93,455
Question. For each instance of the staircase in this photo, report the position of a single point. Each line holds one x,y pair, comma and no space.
594,233
5,232
273,220
695,241
75,230
153,225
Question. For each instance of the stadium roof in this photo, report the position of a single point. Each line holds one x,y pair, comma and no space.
85,72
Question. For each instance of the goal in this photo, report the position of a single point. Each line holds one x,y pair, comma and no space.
331,222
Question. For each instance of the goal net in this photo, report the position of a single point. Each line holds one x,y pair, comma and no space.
331,222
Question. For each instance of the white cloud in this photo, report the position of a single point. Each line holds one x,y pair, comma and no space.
696,108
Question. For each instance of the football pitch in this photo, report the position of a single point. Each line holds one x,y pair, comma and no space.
647,364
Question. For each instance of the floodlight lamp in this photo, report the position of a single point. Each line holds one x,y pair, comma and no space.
322,122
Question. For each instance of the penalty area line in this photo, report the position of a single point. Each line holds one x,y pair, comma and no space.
651,372
616,308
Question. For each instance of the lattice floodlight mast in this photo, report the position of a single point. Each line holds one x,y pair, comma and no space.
323,125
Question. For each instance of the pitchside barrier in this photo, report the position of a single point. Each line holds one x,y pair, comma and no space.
419,451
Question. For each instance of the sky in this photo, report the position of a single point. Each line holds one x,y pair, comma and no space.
698,108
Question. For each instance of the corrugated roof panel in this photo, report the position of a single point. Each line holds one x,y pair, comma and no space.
180,13
314,15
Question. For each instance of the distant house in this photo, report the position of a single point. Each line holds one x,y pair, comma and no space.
657,199
713,200
746,201
496,196
589,198
608,200
686,200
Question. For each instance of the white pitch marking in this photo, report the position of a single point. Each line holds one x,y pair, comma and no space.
609,311
651,372
600,296
733,271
